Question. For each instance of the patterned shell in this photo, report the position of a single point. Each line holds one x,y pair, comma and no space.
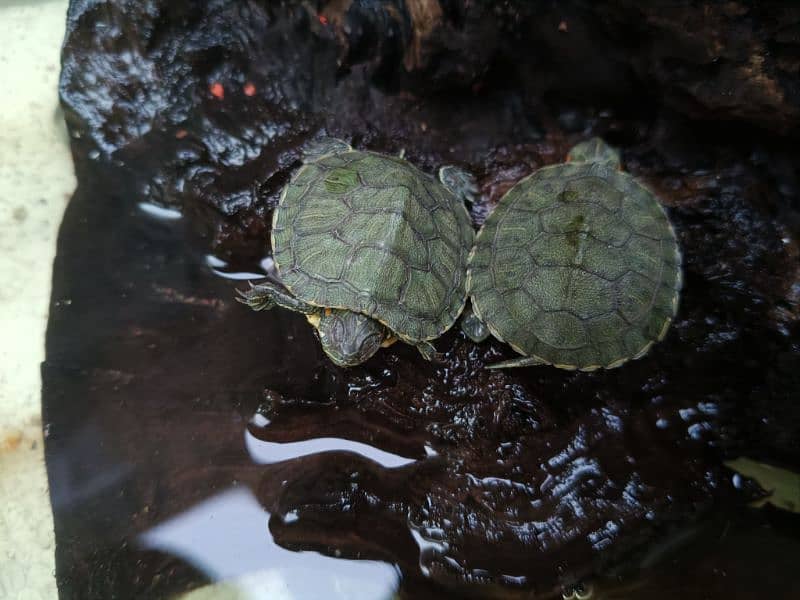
374,234
578,267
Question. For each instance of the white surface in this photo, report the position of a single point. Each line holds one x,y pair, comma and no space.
226,537
36,180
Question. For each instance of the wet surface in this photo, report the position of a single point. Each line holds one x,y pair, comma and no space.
168,405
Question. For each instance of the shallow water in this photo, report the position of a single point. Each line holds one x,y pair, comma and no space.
189,439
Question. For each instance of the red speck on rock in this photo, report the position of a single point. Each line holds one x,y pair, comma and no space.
181,133
217,90
249,89
323,19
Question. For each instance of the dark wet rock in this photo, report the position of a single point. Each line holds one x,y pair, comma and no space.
515,481
558,467
386,72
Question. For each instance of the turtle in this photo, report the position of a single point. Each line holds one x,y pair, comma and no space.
577,267
370,249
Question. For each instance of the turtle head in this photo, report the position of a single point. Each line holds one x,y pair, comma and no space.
316,149
594,150
348,338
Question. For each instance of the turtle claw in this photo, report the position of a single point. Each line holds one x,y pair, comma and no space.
268,294
459,182
241,295
255,298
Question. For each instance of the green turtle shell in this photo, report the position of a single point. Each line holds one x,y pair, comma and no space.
578,267
373,234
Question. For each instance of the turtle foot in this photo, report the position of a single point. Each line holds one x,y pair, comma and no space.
266,295
257,297
428,352
459,182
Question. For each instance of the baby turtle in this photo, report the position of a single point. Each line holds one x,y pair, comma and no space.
371,250
577,267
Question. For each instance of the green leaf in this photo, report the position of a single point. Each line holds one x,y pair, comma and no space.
783,486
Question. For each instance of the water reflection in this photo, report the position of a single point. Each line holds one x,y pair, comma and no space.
160,212
79,473
486,511
220,268
226,537
265,452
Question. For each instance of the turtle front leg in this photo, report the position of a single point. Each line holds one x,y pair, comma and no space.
523,361
459,183
266,295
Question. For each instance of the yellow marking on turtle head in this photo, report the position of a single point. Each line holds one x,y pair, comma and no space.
314,320
389,341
